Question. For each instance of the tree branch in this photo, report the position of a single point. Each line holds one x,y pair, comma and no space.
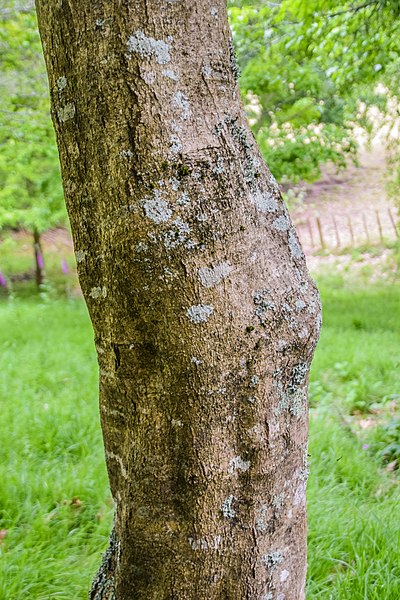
354,9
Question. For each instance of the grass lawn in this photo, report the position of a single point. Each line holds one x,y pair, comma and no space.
55,509
54,502
353,491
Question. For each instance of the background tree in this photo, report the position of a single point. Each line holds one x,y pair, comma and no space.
30,187
204,315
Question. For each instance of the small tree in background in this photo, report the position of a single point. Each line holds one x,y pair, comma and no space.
30,188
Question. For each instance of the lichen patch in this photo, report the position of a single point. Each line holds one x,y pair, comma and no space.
183,199
61,83
175,144
284,575
156,209
149,77
254,381
300,494
265,202
282,223
262,518
210,277
294,246
207,70
219,168
204,543
261,299
149,47
177,235
227,507
300,304
98,292
272,560
278,501
126,153
238,464
67,112
200,313
181,102
196,361
170,74
118,459
80,255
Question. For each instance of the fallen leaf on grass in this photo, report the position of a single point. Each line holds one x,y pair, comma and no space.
391,466
366,423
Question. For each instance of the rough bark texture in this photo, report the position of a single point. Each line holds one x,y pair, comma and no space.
204,314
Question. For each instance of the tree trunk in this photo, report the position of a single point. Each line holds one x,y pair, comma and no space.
204,314
39,264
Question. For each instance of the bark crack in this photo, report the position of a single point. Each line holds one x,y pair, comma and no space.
117,357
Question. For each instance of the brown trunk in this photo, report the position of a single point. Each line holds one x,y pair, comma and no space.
39,264
204,314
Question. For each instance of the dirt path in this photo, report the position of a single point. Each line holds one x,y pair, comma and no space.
347,210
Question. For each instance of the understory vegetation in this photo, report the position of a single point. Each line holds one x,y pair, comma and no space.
56,509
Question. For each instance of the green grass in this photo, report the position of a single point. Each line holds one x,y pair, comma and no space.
354,504
357,359
53,494
54,501
354,530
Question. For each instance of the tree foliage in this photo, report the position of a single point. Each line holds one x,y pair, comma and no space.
30,186
305,66
308,74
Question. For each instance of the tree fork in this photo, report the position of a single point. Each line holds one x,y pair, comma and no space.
204,315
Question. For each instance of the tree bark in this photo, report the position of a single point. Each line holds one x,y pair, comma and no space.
204,314
38,253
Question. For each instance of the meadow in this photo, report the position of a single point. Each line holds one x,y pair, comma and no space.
55,507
